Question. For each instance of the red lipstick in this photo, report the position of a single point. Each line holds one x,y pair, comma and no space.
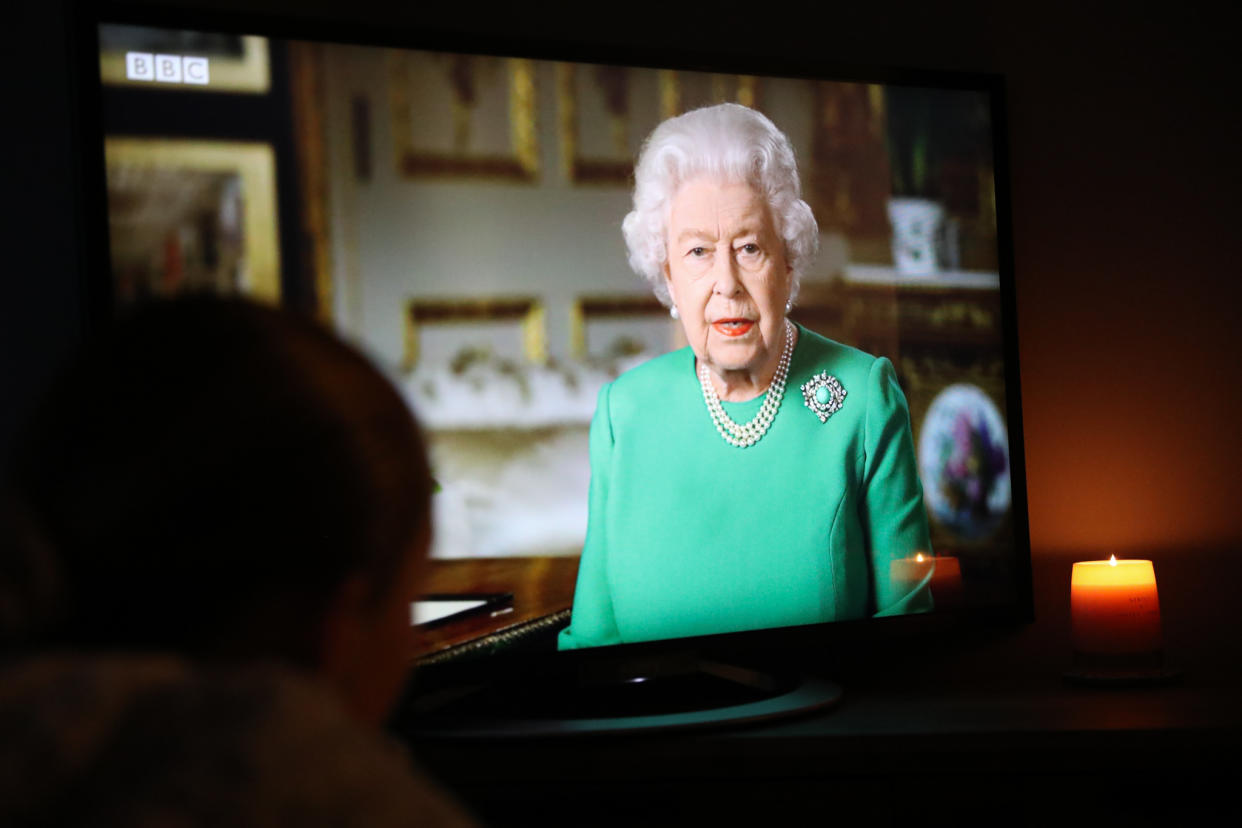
733,327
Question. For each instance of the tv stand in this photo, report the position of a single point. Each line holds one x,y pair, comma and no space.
669,692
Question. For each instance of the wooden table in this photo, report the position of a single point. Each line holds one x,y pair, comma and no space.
543,592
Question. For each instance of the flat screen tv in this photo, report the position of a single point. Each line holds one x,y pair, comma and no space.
458,210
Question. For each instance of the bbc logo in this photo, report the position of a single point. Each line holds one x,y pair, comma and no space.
143,66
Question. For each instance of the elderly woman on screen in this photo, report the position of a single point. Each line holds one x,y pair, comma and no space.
764,476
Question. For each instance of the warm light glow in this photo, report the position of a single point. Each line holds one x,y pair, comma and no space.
1112,560
941,573
1113,573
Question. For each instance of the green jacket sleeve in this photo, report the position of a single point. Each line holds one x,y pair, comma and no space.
893,515
592,623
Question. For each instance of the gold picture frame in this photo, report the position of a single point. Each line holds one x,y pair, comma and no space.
247,71
682,91
617,165
586,309
617,97
423,81
308,108
526,311
252,164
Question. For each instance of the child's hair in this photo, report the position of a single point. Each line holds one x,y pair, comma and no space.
203,480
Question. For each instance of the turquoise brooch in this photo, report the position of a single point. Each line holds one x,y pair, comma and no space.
824,395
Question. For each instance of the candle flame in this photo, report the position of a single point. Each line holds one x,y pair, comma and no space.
919,557
1112,560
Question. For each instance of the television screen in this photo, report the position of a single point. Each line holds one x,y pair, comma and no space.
459,217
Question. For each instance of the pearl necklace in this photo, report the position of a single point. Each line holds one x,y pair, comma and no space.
747,434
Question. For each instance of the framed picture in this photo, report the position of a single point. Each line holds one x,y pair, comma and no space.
192,215
463,115
605,112
459,327
501,420
621,328
848,182
684,91
237,63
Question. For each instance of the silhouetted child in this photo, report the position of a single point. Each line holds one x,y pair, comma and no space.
214,530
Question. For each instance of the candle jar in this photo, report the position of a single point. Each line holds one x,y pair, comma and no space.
946,584
942,574
1115,618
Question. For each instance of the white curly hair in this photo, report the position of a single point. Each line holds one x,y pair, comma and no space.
729,142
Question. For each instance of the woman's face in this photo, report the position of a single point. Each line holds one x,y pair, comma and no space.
728,277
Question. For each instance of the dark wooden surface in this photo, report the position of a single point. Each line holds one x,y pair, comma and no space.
541,587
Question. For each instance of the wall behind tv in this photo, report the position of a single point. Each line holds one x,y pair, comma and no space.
1125,191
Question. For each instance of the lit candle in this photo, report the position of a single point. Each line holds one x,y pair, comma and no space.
945,581
1114,609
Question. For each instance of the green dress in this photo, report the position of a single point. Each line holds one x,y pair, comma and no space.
688,535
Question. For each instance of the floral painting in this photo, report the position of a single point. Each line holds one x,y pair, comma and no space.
964,462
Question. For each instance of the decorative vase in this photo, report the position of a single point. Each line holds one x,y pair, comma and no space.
918,235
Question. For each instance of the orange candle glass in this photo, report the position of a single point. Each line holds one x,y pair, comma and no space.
945,582
1114,608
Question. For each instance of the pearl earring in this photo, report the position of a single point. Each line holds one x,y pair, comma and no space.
788,306
672,311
